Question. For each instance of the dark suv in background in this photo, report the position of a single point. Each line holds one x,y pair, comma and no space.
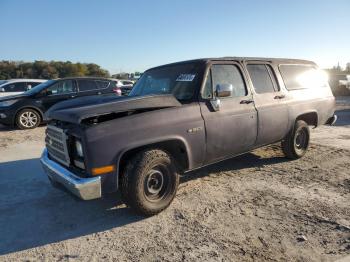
27,110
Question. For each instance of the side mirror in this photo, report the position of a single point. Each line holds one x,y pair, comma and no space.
224,90
2,89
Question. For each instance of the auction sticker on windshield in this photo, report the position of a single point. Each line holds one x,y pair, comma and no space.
185,77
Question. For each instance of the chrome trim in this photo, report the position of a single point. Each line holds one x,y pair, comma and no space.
84,188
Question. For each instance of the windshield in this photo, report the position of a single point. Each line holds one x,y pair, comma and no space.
40,87
180,80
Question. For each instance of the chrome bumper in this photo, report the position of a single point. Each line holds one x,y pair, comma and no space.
84,188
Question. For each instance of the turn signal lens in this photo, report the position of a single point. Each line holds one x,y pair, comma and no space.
102,170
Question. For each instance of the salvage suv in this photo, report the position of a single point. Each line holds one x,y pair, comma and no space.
180,117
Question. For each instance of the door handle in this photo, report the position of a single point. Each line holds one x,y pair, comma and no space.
73,96
246,101
279,97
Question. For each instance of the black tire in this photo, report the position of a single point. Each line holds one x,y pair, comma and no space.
28,119
296,143
149,182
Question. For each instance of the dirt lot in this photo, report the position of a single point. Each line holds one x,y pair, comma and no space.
256,207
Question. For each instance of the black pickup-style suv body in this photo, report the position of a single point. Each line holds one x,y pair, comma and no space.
180,117
27,110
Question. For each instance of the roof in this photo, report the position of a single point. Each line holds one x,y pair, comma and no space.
24,80
241,59
83,77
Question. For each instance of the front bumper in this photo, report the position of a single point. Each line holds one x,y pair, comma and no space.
6,117
84,188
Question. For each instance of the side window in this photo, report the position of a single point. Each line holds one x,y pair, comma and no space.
229,74
263,78
102,84
61,87
302,76
32,84
208,88
87,85
16,87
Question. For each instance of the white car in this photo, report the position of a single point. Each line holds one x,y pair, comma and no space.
345,82
17,86
123,87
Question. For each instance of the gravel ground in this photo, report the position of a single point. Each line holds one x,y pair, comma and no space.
255,207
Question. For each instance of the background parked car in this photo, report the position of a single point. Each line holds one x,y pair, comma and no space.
17,86
123,86
27,110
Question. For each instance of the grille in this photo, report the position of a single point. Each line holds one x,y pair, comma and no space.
56,144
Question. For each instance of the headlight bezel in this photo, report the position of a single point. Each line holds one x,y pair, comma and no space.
78,146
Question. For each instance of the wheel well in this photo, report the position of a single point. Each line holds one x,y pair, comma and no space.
175,148
32,108
310,118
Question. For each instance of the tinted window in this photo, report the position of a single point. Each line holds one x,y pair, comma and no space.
32,84
302,76
102,84
87,85
61,87
15,87
261,78
229,74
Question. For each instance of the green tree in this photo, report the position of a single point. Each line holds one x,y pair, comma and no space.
49,70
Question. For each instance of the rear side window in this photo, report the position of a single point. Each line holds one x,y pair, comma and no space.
87,85
302,76
15,87
32,84
228,74
102,84
263,78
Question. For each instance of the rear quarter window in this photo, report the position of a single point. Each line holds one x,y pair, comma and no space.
87,85
101,84
302,77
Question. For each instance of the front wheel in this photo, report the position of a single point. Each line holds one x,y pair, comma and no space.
28,119
149,182
296,143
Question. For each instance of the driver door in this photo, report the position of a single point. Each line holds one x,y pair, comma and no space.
231,128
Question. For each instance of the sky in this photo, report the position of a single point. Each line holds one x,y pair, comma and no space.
131,35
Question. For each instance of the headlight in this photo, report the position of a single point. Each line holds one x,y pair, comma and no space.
79,148
8,103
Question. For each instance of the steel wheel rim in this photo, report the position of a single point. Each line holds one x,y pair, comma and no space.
300,141
28,119
156,184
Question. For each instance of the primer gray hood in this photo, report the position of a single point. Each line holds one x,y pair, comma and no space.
75,110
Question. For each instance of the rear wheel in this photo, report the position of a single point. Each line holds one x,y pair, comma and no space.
296,143
28,119
149,182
